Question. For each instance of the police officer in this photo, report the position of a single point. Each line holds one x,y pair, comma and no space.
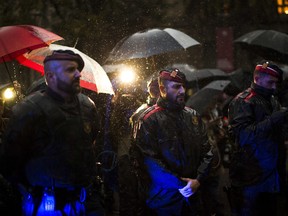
50,144
174,144
256,122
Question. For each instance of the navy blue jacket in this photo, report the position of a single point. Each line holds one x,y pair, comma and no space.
174,144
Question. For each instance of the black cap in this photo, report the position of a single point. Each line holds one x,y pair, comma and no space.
65,55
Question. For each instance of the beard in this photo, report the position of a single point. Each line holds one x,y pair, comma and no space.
73,88
179,101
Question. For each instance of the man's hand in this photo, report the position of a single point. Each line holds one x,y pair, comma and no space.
190,188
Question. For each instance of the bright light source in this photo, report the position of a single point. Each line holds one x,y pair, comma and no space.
9,94
127,75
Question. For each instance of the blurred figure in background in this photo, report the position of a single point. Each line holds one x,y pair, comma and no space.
132,200
154,92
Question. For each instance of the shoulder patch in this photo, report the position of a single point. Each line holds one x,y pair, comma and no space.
195,120
190,110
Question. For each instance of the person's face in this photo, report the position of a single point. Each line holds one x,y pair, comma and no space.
175,92
68,77
267,81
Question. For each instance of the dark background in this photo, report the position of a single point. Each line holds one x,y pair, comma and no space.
95,26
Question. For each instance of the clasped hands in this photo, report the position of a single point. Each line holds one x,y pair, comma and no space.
190,188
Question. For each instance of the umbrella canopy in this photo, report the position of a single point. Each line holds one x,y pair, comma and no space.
241,79
198,78
206,73
203,99
93,76
193,74
19,39
269,44
151,42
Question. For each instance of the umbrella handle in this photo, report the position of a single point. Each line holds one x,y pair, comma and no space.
10,77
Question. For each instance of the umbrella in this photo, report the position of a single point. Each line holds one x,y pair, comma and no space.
198,78
93,76
269,44
193,74
203,99
151,42
205,73
19,39
240,79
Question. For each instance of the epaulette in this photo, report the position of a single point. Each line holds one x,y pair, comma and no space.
244,94
144,115
247,94
155,108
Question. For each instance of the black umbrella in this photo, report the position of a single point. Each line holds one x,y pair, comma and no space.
240,79
269,44
206,73
193,74
208,96
151,42
198,78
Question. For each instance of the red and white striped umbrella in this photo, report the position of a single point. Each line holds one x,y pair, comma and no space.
93,76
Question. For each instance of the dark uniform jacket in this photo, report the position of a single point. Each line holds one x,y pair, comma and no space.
134,118
174,143
257,130
50,143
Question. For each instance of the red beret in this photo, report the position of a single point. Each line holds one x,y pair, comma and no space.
269,68
173,74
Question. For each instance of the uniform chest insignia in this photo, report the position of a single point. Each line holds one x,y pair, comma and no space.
173,73
195,120
87,127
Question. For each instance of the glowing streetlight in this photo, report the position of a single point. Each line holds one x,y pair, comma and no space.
127,75
9,94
